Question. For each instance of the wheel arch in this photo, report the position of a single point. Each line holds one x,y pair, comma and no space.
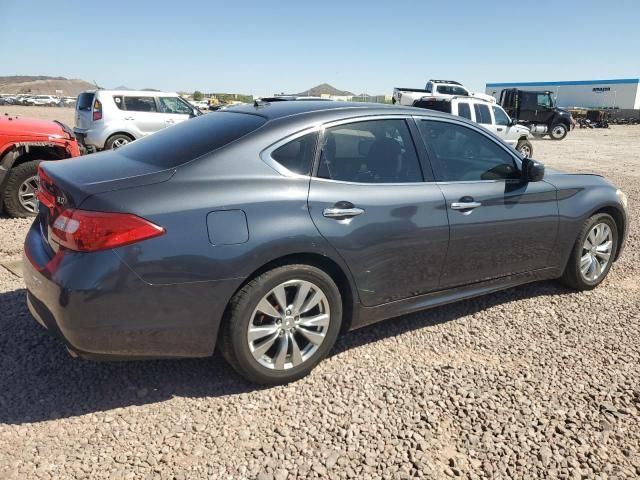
619,218
341,278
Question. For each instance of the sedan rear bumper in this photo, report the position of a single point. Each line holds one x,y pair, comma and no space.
102,309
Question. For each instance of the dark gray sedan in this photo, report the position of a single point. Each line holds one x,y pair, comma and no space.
269,229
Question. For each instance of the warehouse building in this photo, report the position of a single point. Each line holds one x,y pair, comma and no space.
623,93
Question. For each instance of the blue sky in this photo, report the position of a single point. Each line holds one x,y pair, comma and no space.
263,47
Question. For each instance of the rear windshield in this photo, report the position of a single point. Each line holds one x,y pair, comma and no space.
85,100
190,139
439,105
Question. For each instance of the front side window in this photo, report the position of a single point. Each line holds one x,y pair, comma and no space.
174,105
464,110
297,155
377,151
501,117
544,100
140,104
462,154
482,114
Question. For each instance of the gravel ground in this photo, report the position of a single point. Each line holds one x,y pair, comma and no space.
533,382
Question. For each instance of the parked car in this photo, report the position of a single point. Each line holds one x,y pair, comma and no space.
538,111
24,142
200,104
489,115
109,119
443,89
267,230
42,100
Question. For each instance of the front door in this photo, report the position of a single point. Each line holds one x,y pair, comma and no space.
369,200
141,115
499,225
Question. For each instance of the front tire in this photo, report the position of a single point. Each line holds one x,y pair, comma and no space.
593,253
19,195
280,325
525,148
559,131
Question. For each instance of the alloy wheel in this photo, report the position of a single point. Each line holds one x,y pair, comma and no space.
119,142
288,325
27,194
525,151
596,252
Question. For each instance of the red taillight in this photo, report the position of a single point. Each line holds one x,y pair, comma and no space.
97,110
44,184
86,231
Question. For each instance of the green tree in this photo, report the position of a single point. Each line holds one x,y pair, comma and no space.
197,95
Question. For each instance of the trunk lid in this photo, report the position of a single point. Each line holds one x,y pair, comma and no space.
84,110
67,184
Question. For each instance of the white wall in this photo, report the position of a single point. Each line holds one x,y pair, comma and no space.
620,95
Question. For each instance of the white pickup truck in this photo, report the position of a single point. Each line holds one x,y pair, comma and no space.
440,89
490,116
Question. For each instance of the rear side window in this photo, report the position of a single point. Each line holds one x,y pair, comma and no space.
297,155
85,100
378,151
140,104
464,110
482,114
187,140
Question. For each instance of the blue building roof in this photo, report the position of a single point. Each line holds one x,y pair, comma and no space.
570,82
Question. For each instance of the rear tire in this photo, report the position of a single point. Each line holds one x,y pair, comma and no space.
19,191
581,258
242,348
525,148
116,141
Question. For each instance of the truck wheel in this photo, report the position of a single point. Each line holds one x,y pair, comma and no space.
559,131
525,148
116,141
19,195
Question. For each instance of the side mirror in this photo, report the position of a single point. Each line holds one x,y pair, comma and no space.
513,122
532,171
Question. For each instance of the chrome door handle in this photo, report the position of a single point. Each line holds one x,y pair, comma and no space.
342,212
171,122
465,205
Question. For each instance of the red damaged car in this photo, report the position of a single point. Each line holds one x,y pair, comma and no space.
24,142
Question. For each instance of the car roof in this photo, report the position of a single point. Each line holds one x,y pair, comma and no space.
306,108
139,93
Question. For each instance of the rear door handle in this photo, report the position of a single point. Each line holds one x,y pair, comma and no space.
171,121
465,205
128,118
342,212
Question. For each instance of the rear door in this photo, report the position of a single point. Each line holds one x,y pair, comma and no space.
141,114
369,199
499,225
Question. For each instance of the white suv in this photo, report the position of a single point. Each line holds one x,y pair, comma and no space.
487,114
107,119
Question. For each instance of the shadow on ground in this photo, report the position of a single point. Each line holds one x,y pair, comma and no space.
39,381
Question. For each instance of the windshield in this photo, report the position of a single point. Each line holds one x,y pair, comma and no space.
191,139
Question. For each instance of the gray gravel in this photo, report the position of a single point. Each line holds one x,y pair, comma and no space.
533,382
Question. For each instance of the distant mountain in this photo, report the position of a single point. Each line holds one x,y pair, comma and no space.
324,89
43,85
